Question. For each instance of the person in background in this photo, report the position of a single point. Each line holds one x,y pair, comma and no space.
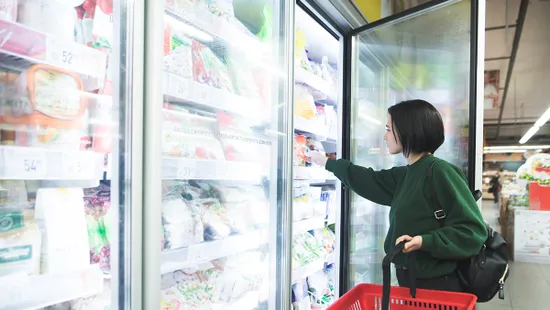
495,186
415,129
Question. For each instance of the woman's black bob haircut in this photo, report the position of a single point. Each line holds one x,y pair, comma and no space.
418,126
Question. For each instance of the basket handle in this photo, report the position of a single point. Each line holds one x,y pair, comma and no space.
386,269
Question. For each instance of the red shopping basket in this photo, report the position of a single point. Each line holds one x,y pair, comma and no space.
369,297
384,297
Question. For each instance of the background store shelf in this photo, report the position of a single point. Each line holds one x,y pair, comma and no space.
192,255
22,292
27,163
22,46
180,168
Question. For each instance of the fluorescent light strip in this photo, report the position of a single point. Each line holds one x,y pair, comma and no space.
503,151
543,119
520,147
530,133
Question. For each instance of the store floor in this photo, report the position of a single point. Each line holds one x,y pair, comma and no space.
528,287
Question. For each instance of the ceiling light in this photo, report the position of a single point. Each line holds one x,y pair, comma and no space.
543,119
521,147
531,132
504,151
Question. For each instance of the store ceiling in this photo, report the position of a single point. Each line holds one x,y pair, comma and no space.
528,94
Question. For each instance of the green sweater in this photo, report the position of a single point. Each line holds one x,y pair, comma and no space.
407,190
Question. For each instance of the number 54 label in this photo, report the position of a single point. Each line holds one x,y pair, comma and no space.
26,165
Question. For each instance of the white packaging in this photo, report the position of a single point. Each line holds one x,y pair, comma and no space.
19,243
56,18
61,218
8,10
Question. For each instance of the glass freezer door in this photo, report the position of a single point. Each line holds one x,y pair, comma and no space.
63,214
225,146
423,54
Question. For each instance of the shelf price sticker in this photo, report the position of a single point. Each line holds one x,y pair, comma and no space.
186,169
74,57
23,164
13,288
195,253
77,165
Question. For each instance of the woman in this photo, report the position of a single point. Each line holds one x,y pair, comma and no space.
415,129
495,186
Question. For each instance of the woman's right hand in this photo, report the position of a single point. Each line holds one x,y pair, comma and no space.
318,158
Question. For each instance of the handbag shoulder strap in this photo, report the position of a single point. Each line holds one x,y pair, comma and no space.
439,213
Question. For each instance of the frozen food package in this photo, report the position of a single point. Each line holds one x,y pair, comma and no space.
301,253
8,10
300,296
316,248
13,194
241,216
37,14
304,103
181,222
191,146
217,224
314,145
220,8
189,292
326,239
240,141
301,151
209,69
97,204
60,215
178,58
319,289
242,274
243,78
20,242
46,108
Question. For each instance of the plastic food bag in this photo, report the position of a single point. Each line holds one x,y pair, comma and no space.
181,222
209,69
301,151
319,289
304,103
20,242
215,219
178,57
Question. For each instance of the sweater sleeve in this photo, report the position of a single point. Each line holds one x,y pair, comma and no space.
376,186
464,230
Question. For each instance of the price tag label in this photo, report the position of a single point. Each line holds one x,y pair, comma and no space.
26,164
196,253
186,169
180,87
12,289
202,93
76,165
74,57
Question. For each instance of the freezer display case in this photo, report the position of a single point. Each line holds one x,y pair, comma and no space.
317,58
423,53
59,131
223,133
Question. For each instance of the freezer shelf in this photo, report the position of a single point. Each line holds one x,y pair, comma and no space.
182,169
22,292
195,254
312,268
310,79
21,46
28,163
307,225
313,126
182,89
312,173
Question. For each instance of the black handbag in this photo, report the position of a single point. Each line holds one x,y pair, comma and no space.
485,273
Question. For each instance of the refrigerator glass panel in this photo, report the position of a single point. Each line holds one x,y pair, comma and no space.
57,134
316,59
223,133
421,56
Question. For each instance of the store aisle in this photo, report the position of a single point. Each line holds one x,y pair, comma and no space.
528,287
